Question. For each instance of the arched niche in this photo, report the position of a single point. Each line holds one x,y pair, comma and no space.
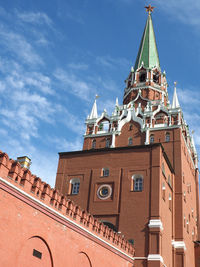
35,252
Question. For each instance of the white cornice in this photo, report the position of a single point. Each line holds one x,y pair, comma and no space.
155,257
155,224
179,244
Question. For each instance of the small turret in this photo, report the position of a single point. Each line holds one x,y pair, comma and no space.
94,114
24,161
175,102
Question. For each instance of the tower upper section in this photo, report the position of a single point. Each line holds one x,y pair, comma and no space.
148,53
146,115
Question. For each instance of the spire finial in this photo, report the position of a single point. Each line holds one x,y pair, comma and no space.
149,9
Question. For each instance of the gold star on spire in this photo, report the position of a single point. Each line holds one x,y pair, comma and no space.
149,9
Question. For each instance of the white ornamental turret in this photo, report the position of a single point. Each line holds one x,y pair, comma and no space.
175,102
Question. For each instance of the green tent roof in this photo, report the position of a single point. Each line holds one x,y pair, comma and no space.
148,53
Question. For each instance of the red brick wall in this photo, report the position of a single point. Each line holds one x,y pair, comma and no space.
36,217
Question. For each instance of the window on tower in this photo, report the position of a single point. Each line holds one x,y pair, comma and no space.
156,78
105,172
74,186
107,142
93,143
152,139
142,77
130,141
137,183
167,137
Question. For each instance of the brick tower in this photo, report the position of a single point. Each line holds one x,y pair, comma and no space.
138,169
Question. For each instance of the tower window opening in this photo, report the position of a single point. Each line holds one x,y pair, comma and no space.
142,77
94,143
151,139
169,180
130,141
75,186
170,201
156,77
107,142
167,137
130,127
163,169
163,191
105,172
137,183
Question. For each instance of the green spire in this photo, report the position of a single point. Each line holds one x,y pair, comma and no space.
148,53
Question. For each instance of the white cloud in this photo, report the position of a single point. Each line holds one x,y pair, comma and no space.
78,66
34,18
63,144
110,62
73,84
17,44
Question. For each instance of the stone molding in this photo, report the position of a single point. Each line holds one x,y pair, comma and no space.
155,224
179,244
155,257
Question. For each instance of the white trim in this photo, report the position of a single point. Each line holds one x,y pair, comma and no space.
155,257
155,224
178,244
65,218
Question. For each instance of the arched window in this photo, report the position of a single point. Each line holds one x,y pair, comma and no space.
130,141
142,77
75,185
105,172
137,181
151,138
93,143
169,180
167,137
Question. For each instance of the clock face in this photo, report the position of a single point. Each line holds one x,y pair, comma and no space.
104,191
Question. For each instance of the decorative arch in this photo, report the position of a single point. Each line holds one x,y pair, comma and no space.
35,252
130,116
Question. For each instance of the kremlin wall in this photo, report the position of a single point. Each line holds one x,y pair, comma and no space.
40,227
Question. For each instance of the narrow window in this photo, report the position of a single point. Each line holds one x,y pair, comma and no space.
142,77
187,226
75,185
138,184
163,169
163,191
107,142
169,180
184,196
167,137
170,201
184,221
130,127
93,143
105,172
151,139
130,141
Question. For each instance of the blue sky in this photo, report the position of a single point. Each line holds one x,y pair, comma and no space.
57,55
